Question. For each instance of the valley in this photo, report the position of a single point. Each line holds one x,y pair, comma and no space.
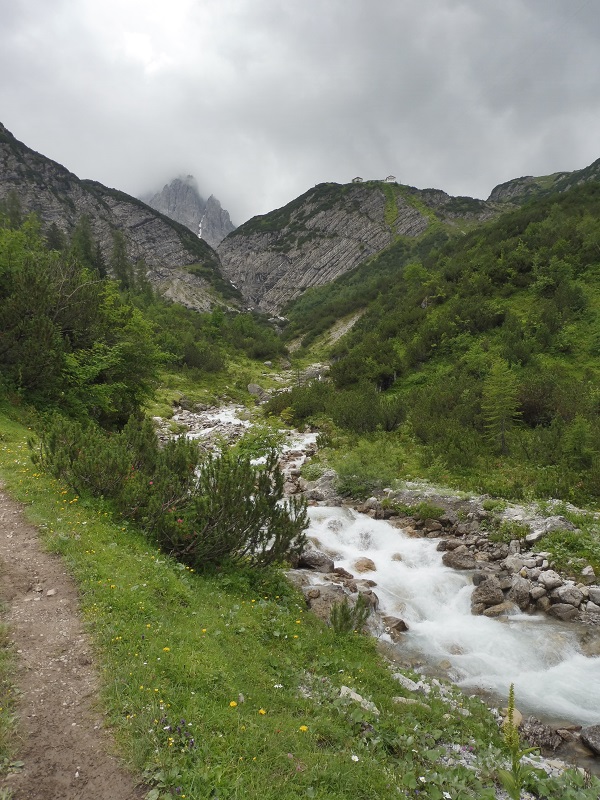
391,393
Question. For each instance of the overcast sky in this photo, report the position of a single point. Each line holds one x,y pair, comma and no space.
261,99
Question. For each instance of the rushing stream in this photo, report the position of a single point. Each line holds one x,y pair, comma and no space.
553,678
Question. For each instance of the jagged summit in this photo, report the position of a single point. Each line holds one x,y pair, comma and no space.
181,201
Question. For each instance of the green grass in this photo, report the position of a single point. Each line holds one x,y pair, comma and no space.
178,651
8,695
222,685
228,385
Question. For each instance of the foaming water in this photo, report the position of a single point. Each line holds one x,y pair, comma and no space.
552,677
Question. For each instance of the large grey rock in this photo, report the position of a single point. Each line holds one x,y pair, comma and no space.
329,595
588,575
562,611
459,560
315,559
501,610
537,592
513,563
567,594
395,627
594,594
550,579
257,391
538,734
519,592
591,738
181,201
488,593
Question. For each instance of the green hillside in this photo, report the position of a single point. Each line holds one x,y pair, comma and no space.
488,342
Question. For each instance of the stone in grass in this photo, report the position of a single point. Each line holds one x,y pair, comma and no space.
405,682
410,701
411,686
346,691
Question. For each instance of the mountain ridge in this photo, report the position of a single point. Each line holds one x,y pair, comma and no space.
170,251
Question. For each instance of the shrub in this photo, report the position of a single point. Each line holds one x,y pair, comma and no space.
345,618
202,510
234,514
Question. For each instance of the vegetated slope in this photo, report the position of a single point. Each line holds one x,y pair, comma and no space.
332,228
520,190
490,342
328,231
182,266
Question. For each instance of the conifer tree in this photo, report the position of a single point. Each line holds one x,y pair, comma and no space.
499,402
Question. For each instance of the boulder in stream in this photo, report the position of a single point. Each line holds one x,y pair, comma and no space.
459,559
591,738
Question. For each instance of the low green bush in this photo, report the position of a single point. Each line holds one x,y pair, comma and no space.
202,509
345,618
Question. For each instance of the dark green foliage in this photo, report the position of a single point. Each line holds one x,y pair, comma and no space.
523,292
120,265
499,403
11,210
204,510
66,337
55,238
202,341
234,515
359,409
345,619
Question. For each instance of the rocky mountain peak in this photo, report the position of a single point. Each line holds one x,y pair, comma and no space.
181,201
215,224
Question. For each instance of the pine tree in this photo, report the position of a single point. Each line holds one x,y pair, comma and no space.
499,402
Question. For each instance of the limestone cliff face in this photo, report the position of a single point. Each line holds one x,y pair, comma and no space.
58,196
215,223
181,201
327,232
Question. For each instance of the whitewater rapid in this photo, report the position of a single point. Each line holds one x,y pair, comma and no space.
553,678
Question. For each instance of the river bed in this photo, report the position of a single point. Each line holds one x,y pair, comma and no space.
544,659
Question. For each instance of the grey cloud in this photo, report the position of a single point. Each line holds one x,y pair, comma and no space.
262,99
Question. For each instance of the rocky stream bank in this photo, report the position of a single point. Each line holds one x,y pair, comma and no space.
508,577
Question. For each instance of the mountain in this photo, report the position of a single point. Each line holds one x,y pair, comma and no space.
331,229
181,201
180,265
481,350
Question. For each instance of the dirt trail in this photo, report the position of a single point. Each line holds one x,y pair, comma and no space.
63,744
